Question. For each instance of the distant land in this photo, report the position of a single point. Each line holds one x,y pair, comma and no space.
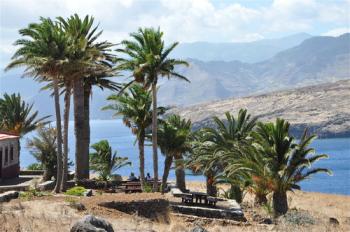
248,52
303,61
317,60
324,109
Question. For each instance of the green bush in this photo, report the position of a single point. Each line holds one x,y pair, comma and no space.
147,188
76,191
35,166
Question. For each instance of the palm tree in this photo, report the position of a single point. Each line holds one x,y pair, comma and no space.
17,116
44,55
44,148
147,58
173,141
286,162
221,145
104,161
135,108
86,57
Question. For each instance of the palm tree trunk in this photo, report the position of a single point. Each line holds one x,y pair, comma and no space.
260,199
67,98
141,144
211,187
81,160
280,203
180,173
86,133
59,136
154,136
167,165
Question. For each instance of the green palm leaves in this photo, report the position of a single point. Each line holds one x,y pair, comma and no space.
17,116
104,161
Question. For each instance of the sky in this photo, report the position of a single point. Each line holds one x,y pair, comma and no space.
184,20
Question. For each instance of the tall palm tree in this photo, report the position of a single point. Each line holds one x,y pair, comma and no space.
43,52
148,59
135,106
86,57
174,134
287,162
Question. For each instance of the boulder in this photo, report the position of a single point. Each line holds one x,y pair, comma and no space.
88,193
7,196
92,224
333,221
198,229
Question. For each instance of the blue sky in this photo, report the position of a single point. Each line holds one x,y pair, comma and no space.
184,20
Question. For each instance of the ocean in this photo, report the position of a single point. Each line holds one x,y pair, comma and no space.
123,141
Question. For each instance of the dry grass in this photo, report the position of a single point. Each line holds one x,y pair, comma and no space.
53,213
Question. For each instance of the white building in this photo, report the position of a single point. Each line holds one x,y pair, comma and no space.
9,155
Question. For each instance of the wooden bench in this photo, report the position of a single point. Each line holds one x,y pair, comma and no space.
132,187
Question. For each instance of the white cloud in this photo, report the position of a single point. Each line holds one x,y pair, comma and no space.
337,31
183,20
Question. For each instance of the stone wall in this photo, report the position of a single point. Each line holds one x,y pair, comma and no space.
155,209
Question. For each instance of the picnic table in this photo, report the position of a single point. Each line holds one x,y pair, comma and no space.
198,197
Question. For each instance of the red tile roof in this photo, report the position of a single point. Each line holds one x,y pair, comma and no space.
4,135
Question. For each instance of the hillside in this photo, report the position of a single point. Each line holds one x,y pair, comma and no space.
317,60
250,52
323,108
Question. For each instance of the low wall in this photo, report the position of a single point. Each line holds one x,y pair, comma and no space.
155,209
10,172
31,172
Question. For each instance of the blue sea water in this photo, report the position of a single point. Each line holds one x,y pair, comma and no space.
122,140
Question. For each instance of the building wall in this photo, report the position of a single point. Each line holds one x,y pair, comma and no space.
10,167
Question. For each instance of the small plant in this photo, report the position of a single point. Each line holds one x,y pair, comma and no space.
295,217
76,191
30,194
268,207
147,188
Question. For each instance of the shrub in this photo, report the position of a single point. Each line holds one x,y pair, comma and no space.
76,191
147,188
35,166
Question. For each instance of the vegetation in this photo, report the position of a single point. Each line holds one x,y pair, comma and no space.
35,167
174,141
44,149
104,161
262,158
148,59
76,191
135,106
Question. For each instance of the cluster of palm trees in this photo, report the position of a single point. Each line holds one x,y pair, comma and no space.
253,156
262,158
66,54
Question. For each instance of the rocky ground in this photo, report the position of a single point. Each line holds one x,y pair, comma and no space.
323,108
308,212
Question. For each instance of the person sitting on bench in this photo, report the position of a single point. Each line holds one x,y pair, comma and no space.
148,177
132,177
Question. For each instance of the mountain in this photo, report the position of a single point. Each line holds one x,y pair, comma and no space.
324,109
250,52
316,60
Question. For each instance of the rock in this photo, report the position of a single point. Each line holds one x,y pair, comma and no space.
266,221
92,224
198,229
88,193
7,196
78,206
333,221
